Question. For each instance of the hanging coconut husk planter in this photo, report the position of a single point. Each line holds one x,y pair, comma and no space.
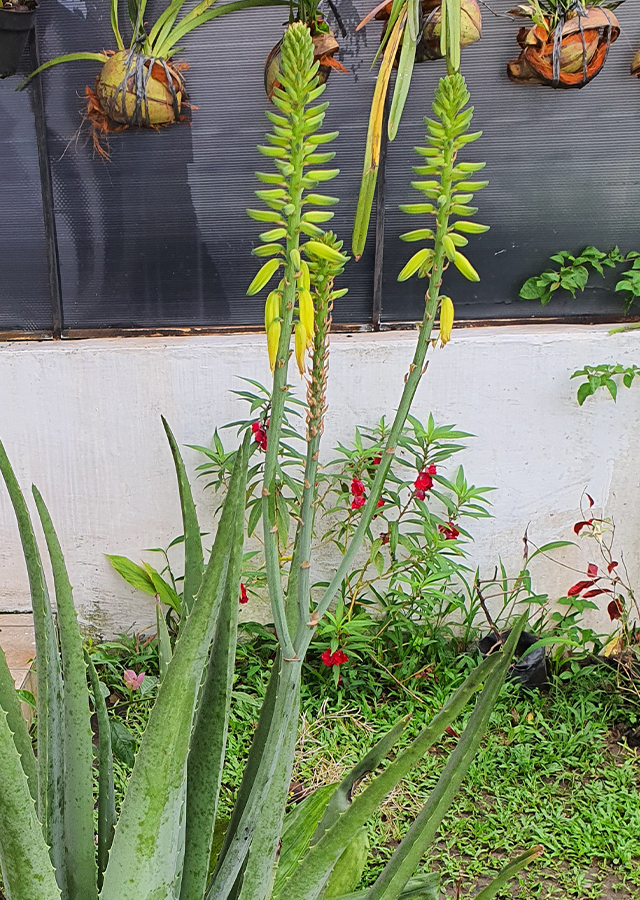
17,18
566,49
142,86
429,43
325,47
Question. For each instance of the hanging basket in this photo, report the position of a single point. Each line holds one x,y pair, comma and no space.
325,47
428,46
133,89
15,24
570,55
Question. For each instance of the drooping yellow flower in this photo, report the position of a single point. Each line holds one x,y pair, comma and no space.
446,320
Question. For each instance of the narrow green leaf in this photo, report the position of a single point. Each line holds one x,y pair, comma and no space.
314,869
509,872
209,739
69,57
405,67
106,793
78,739
415,843
164,642
49,681
27,872
115,26
146,857
132,573
10,703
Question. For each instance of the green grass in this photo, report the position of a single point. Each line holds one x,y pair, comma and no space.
553,770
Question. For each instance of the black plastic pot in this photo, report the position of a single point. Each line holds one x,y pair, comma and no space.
15,26
531,671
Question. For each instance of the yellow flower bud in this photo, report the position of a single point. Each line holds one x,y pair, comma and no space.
273,339
301,344
446,319
305,277
305,308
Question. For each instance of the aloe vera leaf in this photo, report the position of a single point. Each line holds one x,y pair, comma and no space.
279,714
193,557
80,851
10,703
374,140
405,67
509,872
49,681
164,642
422,887
27,872
299,826
145,862
341,798
424,827
260,869
314,869
107,817
209,740
347,872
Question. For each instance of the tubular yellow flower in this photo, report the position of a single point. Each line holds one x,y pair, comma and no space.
273,339
446,320
301,345
305,307
272,309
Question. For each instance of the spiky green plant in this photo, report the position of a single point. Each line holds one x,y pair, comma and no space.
161,846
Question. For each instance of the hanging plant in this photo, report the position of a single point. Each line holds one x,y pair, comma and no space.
568,43
416,30
325,45
17,18
141,85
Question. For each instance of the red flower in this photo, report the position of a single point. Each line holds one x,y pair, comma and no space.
380,503
244,598
450,731
260,434
377,460
592,570
579,587
334,659
357,488
615,609
385,537
420,495
449,531
358,502
424,482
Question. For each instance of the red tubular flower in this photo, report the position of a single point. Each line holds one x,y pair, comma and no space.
380,503
260,434
358,502
424,482
449,531
244,598
420,494
377,460
357,488
334,659
592,570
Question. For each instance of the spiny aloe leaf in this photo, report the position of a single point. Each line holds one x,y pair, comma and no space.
106,793
209,740
193,557
27,872
49,681
10,703
78,740
145,862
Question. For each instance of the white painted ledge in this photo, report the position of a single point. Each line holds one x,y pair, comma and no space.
82,420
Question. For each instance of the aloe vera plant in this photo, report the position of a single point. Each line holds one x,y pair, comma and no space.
160,847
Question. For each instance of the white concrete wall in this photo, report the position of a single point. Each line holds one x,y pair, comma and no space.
82,420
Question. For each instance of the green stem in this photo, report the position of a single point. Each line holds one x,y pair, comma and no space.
279,393
416,370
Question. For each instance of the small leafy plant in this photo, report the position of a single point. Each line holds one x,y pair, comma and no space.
603,376
574,272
